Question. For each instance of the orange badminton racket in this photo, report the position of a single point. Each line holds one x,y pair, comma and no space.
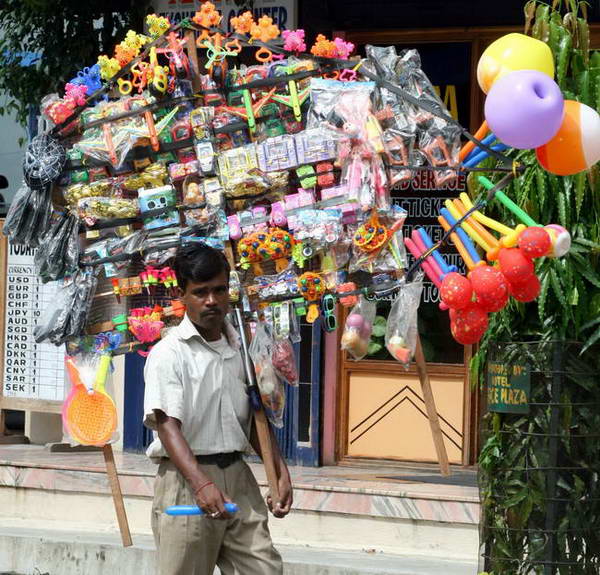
90,417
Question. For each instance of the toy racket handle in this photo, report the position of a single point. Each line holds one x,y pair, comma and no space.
195,510
102,372
74,376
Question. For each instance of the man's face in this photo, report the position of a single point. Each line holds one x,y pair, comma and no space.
207,303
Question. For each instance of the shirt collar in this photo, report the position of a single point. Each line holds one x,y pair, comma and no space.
186,330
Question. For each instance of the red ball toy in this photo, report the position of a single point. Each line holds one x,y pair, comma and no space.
515,266
494,304
489,284
535,242
526,291
456,291
469,324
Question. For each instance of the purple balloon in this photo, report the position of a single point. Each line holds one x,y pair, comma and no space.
524,109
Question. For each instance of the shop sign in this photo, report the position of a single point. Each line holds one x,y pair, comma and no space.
508,387
31,370
423,200
283,12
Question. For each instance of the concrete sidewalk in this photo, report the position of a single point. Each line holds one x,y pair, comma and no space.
26,550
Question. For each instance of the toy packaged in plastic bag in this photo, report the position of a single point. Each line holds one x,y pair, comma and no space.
81,190
58,253
67,315
272,390
358,328
401,331
89,413
284,360
377,245
101,208
29,217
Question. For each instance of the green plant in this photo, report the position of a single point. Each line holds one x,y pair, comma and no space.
44,43
514,501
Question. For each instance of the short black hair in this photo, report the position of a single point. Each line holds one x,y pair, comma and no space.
198,262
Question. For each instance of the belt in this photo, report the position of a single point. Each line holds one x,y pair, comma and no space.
222,460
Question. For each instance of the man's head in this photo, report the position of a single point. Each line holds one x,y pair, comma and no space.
203,277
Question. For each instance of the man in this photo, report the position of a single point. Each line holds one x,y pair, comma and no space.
196,403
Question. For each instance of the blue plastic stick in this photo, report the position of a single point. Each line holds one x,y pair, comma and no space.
441,261
464,238
195,510
471,163
488,140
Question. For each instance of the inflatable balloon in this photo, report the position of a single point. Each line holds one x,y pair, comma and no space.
469,324
515,267
488,283
528,290
456,291
561,240
525,109
535,242
576,145
510,53
495,303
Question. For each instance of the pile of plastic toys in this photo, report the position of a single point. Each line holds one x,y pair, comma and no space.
281,154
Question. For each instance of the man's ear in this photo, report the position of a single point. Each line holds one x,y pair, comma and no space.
180,292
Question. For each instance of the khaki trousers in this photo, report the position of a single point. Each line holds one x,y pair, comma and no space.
193,545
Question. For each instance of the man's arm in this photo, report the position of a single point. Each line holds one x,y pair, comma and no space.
209,498
283,506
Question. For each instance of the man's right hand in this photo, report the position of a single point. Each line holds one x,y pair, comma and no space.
212,501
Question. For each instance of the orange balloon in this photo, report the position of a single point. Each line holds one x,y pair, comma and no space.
576,145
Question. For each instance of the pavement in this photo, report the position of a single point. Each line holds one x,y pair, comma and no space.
43,552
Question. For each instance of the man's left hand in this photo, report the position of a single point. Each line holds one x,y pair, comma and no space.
286,497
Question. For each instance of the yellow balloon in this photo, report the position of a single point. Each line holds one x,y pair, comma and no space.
513,52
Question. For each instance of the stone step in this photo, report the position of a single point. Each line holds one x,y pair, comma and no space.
47,550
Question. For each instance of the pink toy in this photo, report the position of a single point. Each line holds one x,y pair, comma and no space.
343,49
76,93
294,40
235,230
278,218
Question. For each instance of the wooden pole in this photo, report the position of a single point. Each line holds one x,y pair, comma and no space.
263,429
113,479
263,432
190,41
434,422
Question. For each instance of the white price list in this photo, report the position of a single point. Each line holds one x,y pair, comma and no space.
31,370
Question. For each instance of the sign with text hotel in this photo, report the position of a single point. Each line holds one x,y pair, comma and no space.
508,387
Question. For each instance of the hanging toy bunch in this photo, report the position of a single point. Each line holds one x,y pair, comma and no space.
281,151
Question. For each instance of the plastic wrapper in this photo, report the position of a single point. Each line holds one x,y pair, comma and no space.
67,315
29,217
340,108
358,328
58,252
401,330
89,413
272,390
319,229
109,142
283,284
399,133
344,110
102,208
107,248
377,245
284,360
438,139
82,190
